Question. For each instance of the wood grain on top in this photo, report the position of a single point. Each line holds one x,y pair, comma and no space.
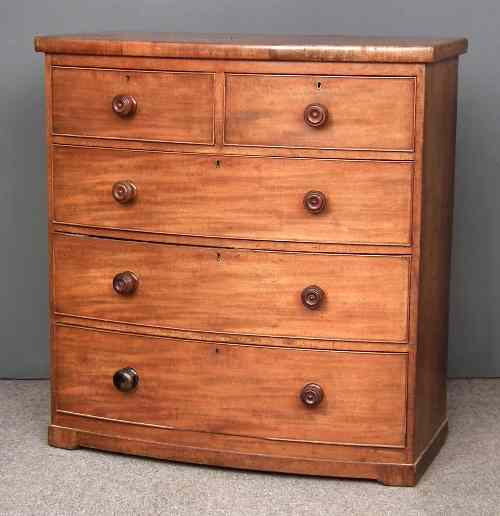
255,46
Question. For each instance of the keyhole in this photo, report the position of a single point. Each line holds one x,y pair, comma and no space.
318,85
219,257
217,163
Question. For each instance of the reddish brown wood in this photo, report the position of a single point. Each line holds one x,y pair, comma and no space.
137,63
236,243
226,187
200,386
254,340
231,197
384,459
234,291
50,199
365,113
255,46
239,444
63,438
83,97
437,210
387,473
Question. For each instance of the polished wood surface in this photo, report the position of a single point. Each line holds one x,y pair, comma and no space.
238,243
220,69
363,113
171,107
233,291
243,446
437,192
199,386
390,474
255,46
231,197
240,338
251,198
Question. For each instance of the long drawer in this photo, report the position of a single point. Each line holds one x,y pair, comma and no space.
173,107
349,297
273,393
335,112
235,197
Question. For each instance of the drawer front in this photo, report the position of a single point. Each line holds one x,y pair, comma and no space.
233,197
234,389
362,113
171,107
233,291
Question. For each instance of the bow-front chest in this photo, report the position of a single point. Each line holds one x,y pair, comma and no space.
249,248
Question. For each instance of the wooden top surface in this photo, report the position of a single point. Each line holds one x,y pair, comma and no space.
322,48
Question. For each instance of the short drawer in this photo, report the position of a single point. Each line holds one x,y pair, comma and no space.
264,392
234,197
341,112
206,289
155,106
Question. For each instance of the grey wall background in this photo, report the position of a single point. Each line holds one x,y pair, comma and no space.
475,289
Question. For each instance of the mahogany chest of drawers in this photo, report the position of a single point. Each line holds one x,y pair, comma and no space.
249,248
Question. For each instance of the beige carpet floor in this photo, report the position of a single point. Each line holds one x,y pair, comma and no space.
36,479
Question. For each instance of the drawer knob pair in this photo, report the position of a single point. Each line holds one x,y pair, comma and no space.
126,283
124,105
126,379
315,115
125,192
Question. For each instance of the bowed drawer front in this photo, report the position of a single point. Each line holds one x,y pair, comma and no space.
304,200
249,243
236,389
231,291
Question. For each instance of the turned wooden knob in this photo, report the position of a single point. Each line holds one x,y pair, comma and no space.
124,105
312,297
315,202
315,115
124,191
311,394
126,379
125,283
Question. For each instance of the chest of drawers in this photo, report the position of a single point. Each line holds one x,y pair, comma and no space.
249,248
